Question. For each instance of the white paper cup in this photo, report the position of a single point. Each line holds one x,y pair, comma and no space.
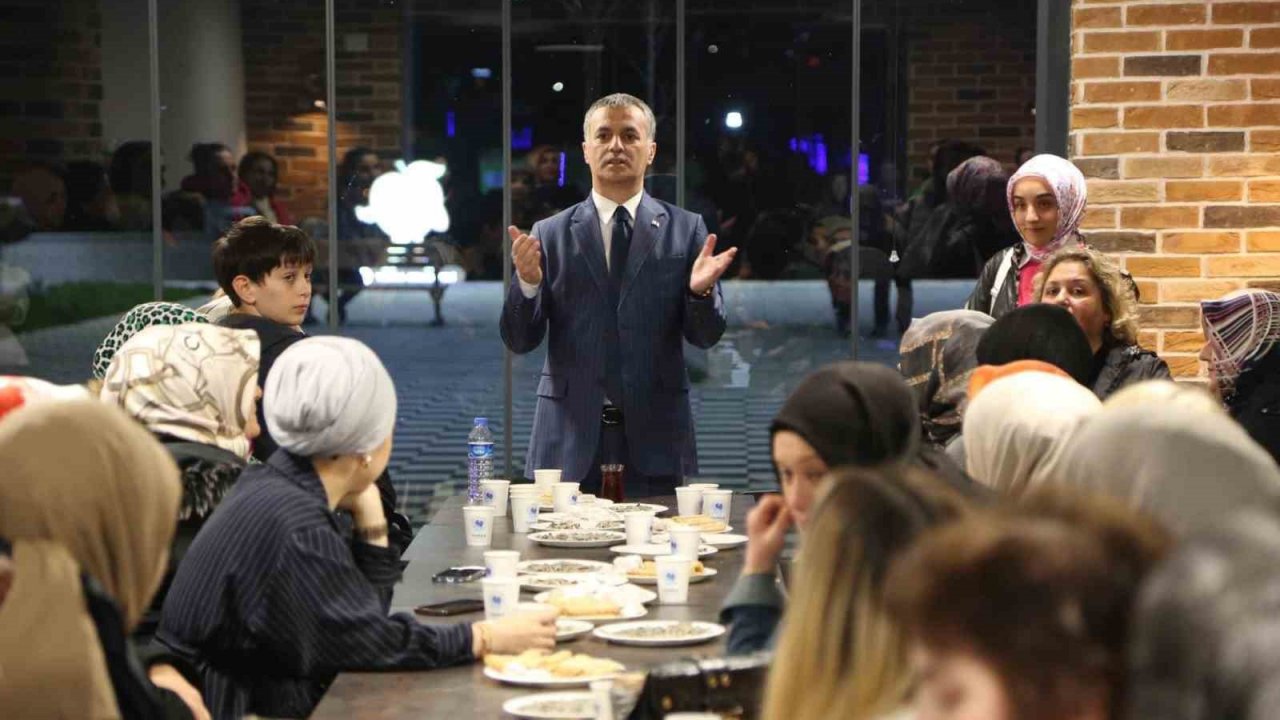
685,540
716,504
501,563
704,486
673,579
586,499
501,596
546,477
478,524
494,494
524,511
602,694
564,496
639,525
688,500
522,489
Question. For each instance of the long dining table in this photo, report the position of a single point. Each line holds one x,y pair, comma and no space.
463,691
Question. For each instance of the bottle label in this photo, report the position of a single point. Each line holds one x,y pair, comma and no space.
480,450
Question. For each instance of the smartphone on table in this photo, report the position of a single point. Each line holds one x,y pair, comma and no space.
451,607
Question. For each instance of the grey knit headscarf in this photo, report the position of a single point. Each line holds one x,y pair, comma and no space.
329,396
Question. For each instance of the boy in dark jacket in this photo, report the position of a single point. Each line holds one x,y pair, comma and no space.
265,269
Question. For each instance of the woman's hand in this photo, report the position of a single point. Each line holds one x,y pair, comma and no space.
165,676
517,633
767,526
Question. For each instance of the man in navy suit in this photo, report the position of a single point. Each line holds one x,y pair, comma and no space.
617,283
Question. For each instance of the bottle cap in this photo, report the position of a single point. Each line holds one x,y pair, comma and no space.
482,421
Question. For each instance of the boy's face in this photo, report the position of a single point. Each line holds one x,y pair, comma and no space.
283,296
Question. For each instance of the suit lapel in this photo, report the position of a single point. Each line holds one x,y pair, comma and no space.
651,222
586,233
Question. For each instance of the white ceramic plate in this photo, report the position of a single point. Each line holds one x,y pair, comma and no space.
701,632
548,581
706,574
644,596
561,524
630,506
578,538
640,612
568,629
542,679
562,566
655,549
724,541
571,705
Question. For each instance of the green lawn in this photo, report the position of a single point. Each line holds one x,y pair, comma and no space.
72,302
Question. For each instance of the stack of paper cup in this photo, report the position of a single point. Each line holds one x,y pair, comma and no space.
494,493
673,578
501,596
639,525
685,540
715,504
545,479
477,521
524,506
501,563
565,496
688,500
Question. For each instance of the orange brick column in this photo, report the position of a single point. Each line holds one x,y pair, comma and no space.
1175,120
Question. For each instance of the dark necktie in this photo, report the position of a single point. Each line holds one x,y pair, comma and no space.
620,245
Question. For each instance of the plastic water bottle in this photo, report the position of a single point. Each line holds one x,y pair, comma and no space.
479,458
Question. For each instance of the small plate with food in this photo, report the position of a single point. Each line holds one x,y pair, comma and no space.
578,538
656,549
724,541
660,633
568,705
561,567
703,523
627,507
647,573
569,629
540,668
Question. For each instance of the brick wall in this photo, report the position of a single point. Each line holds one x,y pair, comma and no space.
971,79
51,91
1175,119
284,74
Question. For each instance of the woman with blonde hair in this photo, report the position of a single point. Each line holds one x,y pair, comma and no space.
1102,300
839,655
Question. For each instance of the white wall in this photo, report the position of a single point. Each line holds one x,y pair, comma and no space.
201,77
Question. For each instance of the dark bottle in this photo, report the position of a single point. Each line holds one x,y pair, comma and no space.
611,482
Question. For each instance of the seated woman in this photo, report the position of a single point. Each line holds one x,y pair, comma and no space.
1019,429
76,576
1047,198
138,318
839,655
194,387
1240,333
845,414
1203,640
1185,464
937,355
1089,285
273,600
1024,613
1038,332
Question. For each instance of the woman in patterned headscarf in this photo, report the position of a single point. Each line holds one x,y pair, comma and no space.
1240,333
141,316
195,387
1046,197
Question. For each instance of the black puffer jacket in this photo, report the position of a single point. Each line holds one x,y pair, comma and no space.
1255,402
1119,365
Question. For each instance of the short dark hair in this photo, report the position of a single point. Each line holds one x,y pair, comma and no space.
202,155
254,156
254,247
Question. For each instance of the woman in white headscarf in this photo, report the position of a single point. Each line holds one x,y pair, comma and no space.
1241,331
1186,465
1047,198
1018,429
274,598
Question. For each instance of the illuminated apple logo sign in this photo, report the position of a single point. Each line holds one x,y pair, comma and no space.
409,203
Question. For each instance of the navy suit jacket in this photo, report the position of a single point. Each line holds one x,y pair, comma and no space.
655,314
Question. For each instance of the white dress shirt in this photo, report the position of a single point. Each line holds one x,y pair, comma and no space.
605,208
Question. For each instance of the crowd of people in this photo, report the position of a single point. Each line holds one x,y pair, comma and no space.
1026,518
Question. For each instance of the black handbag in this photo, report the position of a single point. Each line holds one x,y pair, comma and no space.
729,686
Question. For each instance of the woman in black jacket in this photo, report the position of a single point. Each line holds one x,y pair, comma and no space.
1240,333
1101,299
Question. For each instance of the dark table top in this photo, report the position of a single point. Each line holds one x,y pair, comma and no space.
463,691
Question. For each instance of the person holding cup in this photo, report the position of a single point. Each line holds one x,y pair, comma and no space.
844,414
275,596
